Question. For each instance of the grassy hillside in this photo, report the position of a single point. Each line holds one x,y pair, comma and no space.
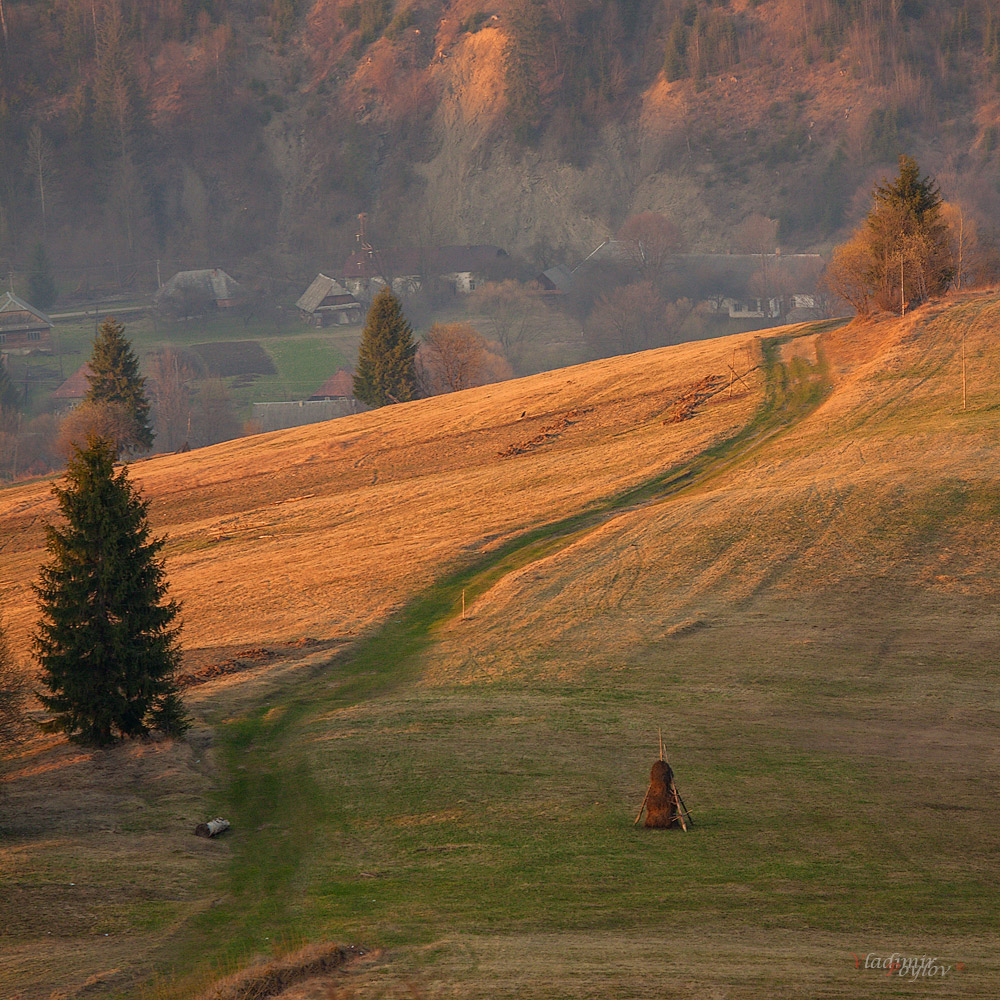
795,584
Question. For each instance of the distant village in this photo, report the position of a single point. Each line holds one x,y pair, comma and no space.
722,284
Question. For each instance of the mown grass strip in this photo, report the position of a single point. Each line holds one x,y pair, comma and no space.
275,804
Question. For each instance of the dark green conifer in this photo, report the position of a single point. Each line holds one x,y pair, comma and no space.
9,396
41,286
107,642
114,378
386,372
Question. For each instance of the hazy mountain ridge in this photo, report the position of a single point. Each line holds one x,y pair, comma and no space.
225,131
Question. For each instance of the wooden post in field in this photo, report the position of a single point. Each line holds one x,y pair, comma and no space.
964,386
463,604
661,743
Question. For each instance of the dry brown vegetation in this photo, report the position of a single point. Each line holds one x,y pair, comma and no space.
288,535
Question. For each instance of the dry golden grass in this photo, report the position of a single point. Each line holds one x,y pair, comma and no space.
318,531
313,532
823,609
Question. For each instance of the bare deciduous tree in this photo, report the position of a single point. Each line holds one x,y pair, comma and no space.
757,234
169,377
511,312
651,241
630,318
40,158
454,356
110,420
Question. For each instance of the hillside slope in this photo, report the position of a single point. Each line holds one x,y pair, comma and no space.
795,585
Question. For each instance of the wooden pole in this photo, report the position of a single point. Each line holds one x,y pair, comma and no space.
661,743
964,384
463,605
687,811
643,806
680,813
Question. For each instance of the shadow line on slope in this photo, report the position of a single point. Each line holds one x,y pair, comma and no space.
269,774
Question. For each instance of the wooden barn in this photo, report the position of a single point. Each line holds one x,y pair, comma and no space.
326,302
191,293
23,328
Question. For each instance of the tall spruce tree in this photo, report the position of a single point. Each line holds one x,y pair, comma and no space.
902,254
107,642
41,286
114,378
386,372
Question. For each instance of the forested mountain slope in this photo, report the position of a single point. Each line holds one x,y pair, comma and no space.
254,131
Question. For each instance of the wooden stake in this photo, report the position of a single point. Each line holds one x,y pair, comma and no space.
687,812
463,604
643,806
680,814
661,743
964,396
737,375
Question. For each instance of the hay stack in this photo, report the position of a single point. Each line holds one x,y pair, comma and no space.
662,807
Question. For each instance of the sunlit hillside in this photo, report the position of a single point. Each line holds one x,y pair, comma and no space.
431,649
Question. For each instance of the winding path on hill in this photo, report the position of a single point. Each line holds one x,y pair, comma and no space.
269,773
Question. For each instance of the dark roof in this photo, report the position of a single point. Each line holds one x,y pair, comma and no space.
321,288
11,303
421,260
76,386
211,280
339,385
557,279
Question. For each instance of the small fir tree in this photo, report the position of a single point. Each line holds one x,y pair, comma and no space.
9,396
107,643
114,378
386,372
41,286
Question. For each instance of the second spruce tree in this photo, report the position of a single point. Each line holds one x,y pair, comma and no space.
385,372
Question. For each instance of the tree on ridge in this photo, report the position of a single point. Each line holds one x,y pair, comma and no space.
386,372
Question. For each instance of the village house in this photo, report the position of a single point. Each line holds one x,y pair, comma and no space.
340,385
189,293
23,328
72,391
460,268
326,302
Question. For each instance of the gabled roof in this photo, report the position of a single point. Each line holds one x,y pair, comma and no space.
421,261
321,287
559,278
12,303
212,280
76,386
339,385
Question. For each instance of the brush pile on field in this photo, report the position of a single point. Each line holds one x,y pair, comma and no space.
684,407
270,979
551,431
